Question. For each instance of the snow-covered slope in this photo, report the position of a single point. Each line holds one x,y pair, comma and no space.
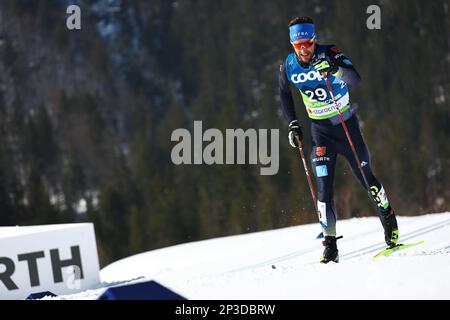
283,264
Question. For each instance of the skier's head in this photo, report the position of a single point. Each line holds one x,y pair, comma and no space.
303,36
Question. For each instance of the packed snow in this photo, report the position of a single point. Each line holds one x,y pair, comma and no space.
284,264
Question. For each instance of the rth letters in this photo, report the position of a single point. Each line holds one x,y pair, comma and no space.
31,259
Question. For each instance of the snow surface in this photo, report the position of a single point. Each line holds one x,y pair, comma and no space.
284,264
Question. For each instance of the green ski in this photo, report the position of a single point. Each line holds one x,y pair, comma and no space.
388,251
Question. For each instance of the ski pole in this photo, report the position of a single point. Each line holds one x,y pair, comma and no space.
352,146
311,188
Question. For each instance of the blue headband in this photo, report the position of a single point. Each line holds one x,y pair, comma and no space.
302,31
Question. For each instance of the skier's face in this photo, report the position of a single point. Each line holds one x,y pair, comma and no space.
304,48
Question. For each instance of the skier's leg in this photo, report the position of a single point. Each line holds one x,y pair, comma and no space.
323,159
386,213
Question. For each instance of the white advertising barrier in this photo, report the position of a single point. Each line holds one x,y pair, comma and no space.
59,258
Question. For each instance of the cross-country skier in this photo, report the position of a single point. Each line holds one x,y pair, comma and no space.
306,68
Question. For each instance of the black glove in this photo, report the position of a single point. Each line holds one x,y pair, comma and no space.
323,65
294,131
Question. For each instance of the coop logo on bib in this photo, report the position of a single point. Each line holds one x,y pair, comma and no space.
303,77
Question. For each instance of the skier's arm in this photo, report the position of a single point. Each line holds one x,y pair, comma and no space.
288,106
346,71
287,102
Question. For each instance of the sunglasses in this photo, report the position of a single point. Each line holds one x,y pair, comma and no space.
305,45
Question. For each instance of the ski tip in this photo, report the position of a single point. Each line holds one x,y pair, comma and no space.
320,236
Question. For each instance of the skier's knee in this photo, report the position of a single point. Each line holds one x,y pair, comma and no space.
324,196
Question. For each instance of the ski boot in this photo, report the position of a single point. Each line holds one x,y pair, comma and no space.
389,222
331,252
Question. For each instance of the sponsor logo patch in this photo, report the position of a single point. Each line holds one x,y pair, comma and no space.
320,151
322,171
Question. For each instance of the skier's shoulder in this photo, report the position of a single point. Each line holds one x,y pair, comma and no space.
290,59
289,62
328,49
